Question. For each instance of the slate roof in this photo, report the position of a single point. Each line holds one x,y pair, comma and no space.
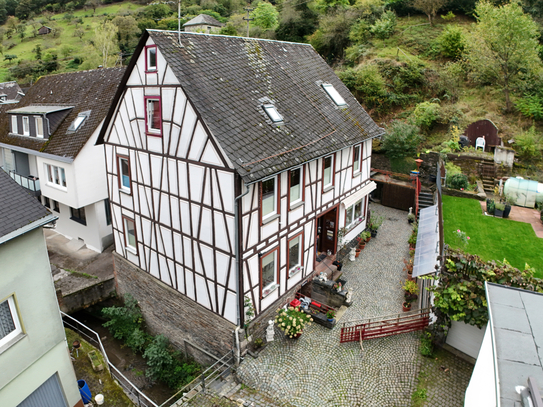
84,90
517,330
12,90
17,207
203,19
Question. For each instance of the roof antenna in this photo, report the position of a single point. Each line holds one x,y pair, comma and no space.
179,23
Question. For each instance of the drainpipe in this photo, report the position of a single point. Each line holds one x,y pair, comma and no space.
239,285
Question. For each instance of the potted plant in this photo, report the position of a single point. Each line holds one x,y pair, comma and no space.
361,242
331,314
499,210
292,321
411,294
374,224
490,206
411,218
409,268
412,240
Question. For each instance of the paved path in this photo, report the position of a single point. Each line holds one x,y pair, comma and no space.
316,370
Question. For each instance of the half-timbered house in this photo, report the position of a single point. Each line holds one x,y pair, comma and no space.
232,164
47,145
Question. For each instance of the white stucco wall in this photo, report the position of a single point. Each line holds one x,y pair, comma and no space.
466,338
26,364
481,391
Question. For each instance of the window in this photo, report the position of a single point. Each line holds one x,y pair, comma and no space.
129,233
295,186
56,207
353,214
55,175
124,173
357,159
26,126
272,113
78,122
153,119
46,202
334,94
108,211
39,126
78,215
14,128
10,326
150,58
295,255
328,171
269,197
268,264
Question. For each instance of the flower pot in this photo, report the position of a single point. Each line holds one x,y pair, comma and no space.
357,253
410,221
498,213
362,246
368,239
406,306
507,211
330,319
373,233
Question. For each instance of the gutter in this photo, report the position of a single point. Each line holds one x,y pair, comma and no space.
27,228
29,151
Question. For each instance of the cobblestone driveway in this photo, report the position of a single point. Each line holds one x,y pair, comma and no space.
316,370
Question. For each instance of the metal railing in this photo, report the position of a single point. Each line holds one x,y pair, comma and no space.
199,384
30,183
137,397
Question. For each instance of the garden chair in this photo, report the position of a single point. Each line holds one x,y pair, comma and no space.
480,142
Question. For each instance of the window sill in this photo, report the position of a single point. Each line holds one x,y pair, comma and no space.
327,189
80,221
357,173
354,224
124,191
151,71
154,134
295,271
296,205
11,342
131,250
269,290
59,187
270,219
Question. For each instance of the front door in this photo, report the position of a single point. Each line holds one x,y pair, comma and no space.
327,232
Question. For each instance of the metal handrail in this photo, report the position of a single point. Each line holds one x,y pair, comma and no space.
133,391
377,318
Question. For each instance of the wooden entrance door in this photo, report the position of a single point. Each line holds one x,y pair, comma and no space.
327,231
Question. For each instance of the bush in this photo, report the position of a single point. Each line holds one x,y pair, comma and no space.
123,321
458,181
367,84
385,26
530,106
426,344
528,145
426,114
401,140
451,42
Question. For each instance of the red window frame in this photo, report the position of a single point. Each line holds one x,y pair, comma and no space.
147,69
278,197
302,185
125,233
301,235
277,268
361,145
121,186
147,128
333,171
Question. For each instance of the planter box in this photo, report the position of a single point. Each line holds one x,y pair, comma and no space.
498,213
96,361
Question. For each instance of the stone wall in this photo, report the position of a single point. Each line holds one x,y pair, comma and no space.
86,297
168,312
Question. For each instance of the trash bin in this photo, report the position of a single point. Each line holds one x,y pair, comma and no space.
85,392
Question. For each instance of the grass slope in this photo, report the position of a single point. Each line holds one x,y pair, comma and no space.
492,238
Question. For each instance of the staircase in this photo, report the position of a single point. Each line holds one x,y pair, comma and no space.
487,170
388,325
426,199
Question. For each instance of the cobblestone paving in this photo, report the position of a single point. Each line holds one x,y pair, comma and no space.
316,370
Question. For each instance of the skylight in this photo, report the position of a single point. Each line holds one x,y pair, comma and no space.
334,94
79,120
272,113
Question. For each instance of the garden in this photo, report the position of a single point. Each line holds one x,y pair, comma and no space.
491,238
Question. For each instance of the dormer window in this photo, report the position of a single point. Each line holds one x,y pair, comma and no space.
150,58
14,128
26,126
76,124
272,113
334,94
38,121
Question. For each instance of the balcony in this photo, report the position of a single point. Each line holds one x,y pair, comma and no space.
30,183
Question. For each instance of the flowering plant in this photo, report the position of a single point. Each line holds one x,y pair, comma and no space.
292,321
462,237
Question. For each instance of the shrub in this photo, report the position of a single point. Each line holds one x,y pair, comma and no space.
528,145
426,114
458,181
452,42
530,106
401,140
367,84
426,344
123,321
385,26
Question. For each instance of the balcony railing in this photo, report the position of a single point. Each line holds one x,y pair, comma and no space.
31,183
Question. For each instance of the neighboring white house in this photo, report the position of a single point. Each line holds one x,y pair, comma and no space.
511,355
10,92
47,146
232,164
36,369
203,24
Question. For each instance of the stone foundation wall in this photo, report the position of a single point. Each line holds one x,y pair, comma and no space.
168,312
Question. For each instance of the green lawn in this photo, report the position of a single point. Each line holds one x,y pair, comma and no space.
492,238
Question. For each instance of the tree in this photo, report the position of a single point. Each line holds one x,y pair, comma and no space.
127,31
296,21
265,15
429,7
401,140
503,47
24,9
37,51
105,41
93,4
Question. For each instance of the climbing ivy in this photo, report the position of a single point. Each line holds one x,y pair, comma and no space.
460,292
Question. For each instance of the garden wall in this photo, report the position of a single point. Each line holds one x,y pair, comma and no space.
168,312
466,338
